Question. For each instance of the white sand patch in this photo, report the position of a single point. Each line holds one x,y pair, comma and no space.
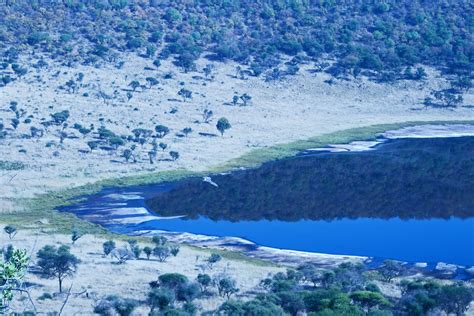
431,131
282,256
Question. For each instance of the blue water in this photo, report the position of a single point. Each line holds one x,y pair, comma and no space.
409,240
444,235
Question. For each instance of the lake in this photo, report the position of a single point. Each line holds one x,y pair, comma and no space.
408,199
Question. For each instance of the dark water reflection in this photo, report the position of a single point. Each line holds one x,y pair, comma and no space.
406,178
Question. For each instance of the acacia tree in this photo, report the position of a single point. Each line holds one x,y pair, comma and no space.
185,94
223,125
206,115
57,263
134,84
108,246
10,230
174,155
161,131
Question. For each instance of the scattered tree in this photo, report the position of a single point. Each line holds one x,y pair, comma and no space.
174,155
223,125
108,246
10,230
57,263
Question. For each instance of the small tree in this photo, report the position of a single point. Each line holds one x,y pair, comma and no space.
204,281
447,97
187,130
122,255
57,263
207,115
152,156
160,298
134,84
174,249
108,247
93,145
223,125
159,240
390,269
208,70
148,251
213,259
245,98
369,300
226,287
455,298
163,146
174,155
162,252
185,94
60,117
135,248
127,154
161,131
235,99
151,81
75,235
11,231
116,141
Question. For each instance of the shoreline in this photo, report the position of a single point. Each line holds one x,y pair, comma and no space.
276,255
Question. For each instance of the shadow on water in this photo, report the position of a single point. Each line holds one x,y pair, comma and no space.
409,199
407,178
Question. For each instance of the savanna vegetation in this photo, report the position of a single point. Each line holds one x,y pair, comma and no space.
385,40
308,289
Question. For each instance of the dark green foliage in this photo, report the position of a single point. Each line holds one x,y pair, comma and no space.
455,298
213,259
223,125
420,297
161,131
369,300
172,280
204,280
226,287
390,269
162,252
93,144
160,298
260,307
174,155
135,248
185,94
75,235
57,263
381,36
60,117
323,186
187,130
122,306
10,230
108,246
8,253
148,251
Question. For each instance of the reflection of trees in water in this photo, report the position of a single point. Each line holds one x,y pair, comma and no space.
405,178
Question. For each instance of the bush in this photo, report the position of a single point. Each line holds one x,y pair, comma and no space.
160,298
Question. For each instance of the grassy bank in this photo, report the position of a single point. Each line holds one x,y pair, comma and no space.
40,211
